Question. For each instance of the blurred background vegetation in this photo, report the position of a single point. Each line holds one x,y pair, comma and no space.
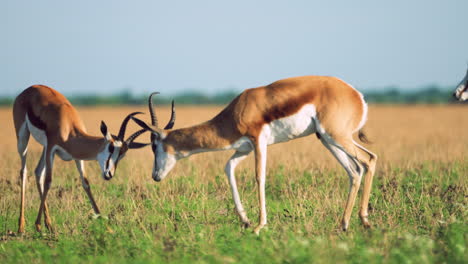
391,95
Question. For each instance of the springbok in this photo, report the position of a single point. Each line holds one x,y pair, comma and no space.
461,93
55,124
279,112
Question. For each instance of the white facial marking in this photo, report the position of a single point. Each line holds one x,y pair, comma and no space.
102,158
107,160
464,96
163,164
460,93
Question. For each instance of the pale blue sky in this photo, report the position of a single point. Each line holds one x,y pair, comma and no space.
173,46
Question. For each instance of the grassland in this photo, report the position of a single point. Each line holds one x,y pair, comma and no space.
418,204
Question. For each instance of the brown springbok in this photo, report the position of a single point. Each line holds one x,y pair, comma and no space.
55,124
461,92
279,112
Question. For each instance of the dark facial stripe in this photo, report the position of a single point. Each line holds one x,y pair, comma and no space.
108,161
110,155
154,148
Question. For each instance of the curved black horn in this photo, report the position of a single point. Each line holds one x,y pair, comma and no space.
154,119
171,122
135,135
123,127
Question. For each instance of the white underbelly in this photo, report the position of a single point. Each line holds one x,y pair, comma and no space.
298,125
38,134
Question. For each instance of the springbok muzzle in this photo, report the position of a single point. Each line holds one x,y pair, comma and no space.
107,175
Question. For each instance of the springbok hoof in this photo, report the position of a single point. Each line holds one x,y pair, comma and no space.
344,226
38,228
246,225
99,216
365,222
257,229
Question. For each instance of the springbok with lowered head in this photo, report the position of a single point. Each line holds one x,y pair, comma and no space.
279,112
55,124
461,92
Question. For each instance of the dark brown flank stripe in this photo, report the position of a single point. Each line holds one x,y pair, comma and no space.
339,109
253,108
35,120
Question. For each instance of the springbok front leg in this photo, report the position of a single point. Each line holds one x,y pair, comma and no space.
47,182
23,139
86,186
260,173
229,169
40,177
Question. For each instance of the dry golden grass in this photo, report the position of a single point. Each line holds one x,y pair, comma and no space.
420,191
402,136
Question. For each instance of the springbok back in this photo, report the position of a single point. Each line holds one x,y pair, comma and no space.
284,110
50,118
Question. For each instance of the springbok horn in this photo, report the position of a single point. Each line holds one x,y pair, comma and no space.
131,138
145,126
123,127
135,135
154,119
171,122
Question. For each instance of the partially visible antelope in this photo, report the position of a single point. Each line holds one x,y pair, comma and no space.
55,124
461,92
279,112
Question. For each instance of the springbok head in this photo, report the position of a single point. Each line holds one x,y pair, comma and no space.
116,147
461,93
164,158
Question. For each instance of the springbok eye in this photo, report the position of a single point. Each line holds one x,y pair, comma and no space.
111,148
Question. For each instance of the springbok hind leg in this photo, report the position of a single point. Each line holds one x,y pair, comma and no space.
345,152
370,160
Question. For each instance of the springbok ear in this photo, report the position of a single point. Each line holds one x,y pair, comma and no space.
105,132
